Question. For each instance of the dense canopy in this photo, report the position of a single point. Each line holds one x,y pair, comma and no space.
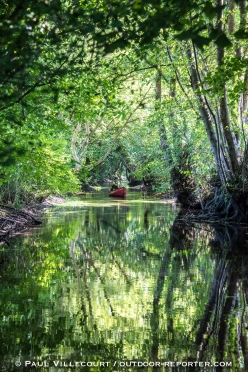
150,90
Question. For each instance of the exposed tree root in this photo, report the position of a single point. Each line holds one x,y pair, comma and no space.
13,221
224,206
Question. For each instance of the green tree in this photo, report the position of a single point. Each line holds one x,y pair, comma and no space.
219,97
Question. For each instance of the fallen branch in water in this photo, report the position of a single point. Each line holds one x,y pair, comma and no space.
13,221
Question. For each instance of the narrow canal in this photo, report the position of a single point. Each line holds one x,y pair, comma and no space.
113,285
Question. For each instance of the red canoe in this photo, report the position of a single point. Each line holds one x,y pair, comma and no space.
121,191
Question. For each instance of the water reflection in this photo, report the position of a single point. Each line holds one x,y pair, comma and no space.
120,281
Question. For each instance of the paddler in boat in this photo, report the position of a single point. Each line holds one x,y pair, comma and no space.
115,185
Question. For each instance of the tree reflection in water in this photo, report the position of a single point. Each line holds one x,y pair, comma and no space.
222,329
128,282
228,300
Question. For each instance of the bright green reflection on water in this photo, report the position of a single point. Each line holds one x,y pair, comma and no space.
102,281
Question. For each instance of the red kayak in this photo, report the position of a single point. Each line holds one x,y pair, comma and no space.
121,192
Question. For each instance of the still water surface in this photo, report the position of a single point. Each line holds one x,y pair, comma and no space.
105,284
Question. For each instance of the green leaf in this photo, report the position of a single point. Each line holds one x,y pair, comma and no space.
223,41
186,35
178,26
201,41
120,43
211,10
213,33
241,34
117,23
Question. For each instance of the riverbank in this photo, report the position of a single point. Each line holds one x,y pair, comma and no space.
14,221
